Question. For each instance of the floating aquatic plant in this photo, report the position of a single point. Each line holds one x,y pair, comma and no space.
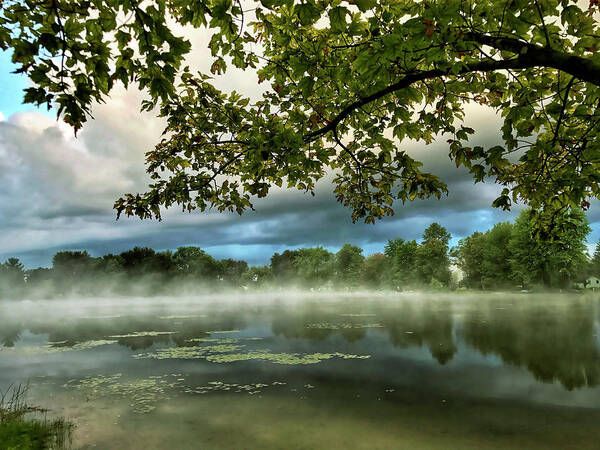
223,340
90,344
281,358
221,351
216,386
193,316
208,340
143,334
143,393
358,315
342,326
56,347
188,352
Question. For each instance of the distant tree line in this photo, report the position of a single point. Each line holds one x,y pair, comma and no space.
515,255
508,256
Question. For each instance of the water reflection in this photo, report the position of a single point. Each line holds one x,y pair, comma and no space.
133,332
553,339
429,324
407,325
10,333
554,342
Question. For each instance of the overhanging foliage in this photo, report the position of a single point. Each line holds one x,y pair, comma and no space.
350,81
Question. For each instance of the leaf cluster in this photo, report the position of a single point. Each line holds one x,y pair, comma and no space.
351,85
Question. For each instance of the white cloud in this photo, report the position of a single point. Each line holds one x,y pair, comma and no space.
57,191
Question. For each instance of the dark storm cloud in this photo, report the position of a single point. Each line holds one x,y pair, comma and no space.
57,193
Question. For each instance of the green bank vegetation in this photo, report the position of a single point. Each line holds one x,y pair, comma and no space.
508,256
20,431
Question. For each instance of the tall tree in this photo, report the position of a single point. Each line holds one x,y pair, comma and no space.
470,257
375,271
347,83
110,264
40,281
551,259
232,270
432,263
195,264
283,266
392,246
431,259
484,258
71,269
138,260
12,278
436,232
314,265
348,265
402,254
496,264
39,275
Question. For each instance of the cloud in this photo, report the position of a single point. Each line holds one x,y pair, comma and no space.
57,191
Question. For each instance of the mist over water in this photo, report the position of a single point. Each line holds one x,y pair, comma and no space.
293,369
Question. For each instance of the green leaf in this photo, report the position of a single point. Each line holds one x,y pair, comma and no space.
337,18
307,13
364,5
306,85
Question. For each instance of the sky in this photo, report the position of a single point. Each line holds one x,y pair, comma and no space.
57,190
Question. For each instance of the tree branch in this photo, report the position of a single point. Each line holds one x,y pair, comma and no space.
483,66
562,110
582,68
530,55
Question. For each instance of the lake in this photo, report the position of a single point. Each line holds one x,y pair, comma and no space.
296,370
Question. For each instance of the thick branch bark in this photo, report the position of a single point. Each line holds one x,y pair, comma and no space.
581,68
483,66
530,55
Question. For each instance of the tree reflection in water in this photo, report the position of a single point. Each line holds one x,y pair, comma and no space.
554,339
553,342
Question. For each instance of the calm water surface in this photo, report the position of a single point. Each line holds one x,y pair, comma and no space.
301,371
